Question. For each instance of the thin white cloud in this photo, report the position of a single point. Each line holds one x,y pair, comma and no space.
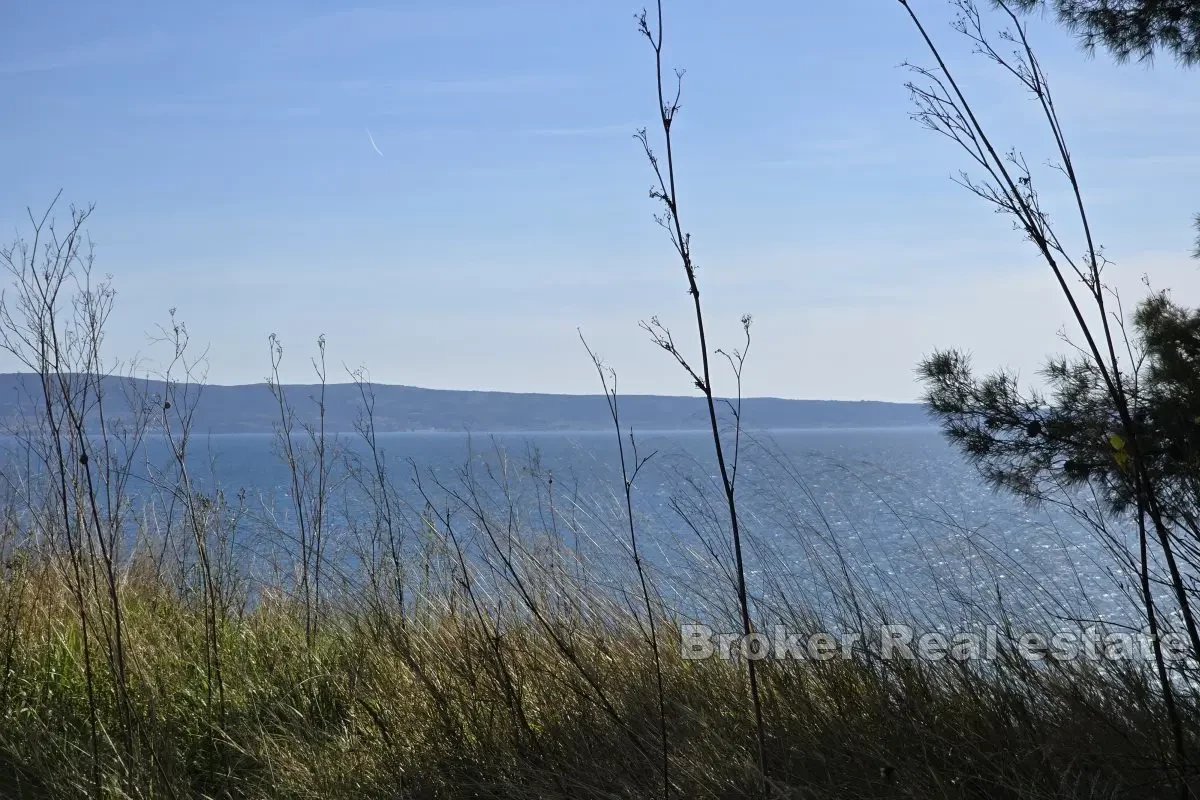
373,145
382,90
358,26
223,109
497,84
593,130
863,158
841,151
1172,164
100,53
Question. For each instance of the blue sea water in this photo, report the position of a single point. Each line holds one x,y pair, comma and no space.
896,511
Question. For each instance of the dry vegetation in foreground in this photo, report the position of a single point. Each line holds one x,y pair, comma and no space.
545,692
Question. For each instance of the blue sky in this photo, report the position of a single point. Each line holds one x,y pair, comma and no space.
226,148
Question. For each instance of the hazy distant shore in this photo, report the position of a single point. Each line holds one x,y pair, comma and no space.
252,409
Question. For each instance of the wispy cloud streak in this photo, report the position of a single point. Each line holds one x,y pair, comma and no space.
373,145
101,53
594,130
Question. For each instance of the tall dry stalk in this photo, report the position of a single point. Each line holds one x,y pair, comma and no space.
177,405
309,476
608,382
666,193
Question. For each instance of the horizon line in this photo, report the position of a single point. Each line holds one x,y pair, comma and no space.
331,384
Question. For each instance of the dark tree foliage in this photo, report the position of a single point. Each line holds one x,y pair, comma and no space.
1137,28
1038,444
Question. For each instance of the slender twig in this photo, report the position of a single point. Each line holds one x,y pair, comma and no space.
665,191
608,382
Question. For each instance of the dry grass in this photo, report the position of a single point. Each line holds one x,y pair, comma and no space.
455,698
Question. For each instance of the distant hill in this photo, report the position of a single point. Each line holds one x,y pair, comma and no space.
252,409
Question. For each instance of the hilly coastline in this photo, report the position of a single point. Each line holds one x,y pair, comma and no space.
252,408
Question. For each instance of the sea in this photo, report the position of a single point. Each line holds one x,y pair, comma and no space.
895,513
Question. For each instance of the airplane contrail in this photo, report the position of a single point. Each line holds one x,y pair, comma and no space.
372,138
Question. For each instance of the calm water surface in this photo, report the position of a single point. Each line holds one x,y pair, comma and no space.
896,509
